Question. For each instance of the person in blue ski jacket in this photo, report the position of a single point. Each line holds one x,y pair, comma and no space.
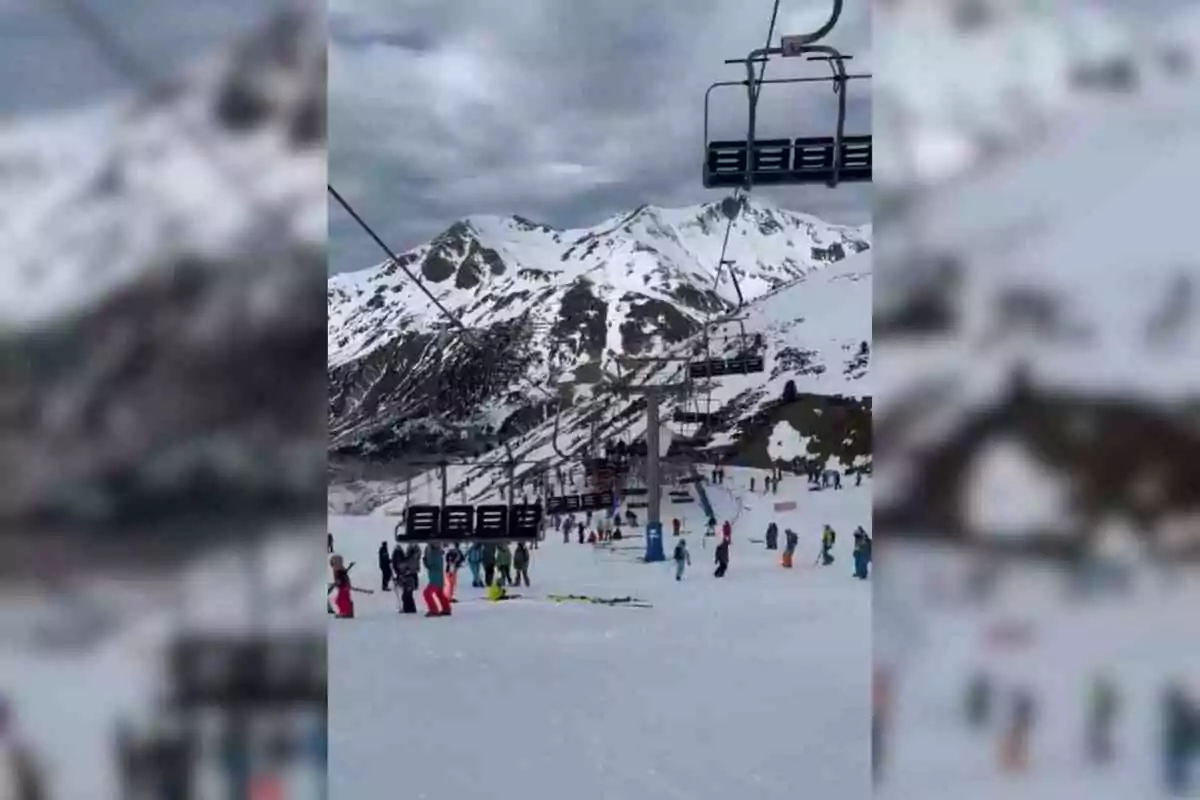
682,558
862,553
475,564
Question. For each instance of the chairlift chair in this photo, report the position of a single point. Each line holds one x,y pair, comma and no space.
829,160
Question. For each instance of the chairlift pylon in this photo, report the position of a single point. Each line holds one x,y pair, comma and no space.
828,160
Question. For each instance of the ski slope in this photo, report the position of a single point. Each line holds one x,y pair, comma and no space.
744,686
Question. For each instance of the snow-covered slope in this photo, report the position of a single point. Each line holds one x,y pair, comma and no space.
221,162
767,667
551,309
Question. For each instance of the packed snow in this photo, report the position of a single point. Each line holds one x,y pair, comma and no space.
758,681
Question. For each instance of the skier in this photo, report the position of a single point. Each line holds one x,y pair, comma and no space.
22,777
504,561
435,580
385,566
1181,734
710,527
772,536
454,562
676,526
862,553
343,602
329,542
581,530
1014,744
406,579
682,558
828,539
475,564
752,484
978,700
727,533
566,532
837,480
521,564
489,564
1101,719
792,540
722,559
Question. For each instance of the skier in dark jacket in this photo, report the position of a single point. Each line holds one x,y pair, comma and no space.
406,579
862,553
772,536
521,565
682,558
489,564
1180,739
722,559
385,566
1101,720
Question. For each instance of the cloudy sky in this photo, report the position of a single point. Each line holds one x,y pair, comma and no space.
60,69
563,111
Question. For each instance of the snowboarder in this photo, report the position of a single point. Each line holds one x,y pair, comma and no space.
475,564
454,562
504,561
385,566
489,564
828,539
772,536
521,564
436,602
862,553
682,558
405,569
722,559
791,541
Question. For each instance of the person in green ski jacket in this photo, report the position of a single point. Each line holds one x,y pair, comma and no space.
504,562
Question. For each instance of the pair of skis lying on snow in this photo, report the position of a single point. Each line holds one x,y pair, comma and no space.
625,602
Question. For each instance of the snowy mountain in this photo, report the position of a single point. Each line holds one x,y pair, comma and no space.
163,264
551,310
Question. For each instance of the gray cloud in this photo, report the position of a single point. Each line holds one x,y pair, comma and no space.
560,111
49,65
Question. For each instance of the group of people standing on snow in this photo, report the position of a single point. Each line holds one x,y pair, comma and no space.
489,563
862,548
683,557
401,568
